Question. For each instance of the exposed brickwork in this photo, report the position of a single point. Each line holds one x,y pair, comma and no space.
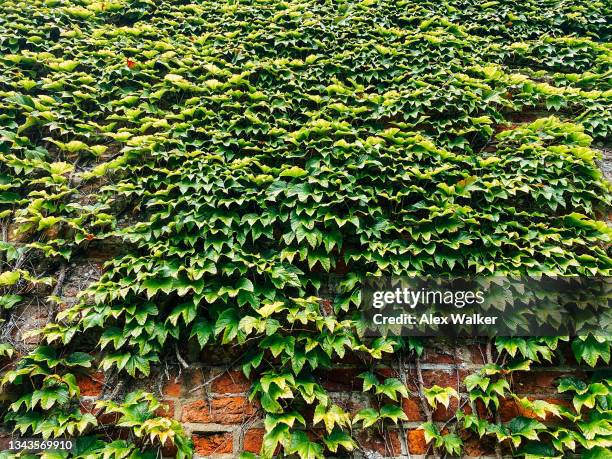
223,410
172,389
207,444
230,382
253,439
388,445
91,385
212,400
416,442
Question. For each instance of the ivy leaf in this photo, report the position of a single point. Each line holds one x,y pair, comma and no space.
473,422
228,324
437,394
393,412
391,388
476,380
278,435
202,330
597,423
9,278
590,349
597,452
430,431
368,416
339,438
589,398
369,380
269,404
272,420
303,447
157,284
572,383
270,308
539,450
451,443
331,417
523,427
187,310
293,172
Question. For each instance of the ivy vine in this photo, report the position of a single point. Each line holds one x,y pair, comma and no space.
244,152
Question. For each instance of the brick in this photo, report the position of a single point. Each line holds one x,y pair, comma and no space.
412,408
387,445
474,446
416,441
224,410
445,378
252,441
342,379
169,450
341,267
4,441
207,444
172,388
91,384
231,382
510,408
326,307
435,353
540,382
350,358
481,409
444,414
86,406
108,418
477,354
384,373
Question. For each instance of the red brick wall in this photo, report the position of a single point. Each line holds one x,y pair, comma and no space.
212,401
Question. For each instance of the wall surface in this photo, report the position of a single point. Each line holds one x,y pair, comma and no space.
211,399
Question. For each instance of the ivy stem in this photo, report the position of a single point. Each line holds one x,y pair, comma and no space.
184,364
4,226
489,354
424,404
57,290
402,375
426,408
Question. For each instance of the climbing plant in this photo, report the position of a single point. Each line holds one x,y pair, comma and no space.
245,152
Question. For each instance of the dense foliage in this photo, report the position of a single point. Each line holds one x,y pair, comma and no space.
245,150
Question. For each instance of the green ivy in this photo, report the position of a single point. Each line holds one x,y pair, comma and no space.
245,152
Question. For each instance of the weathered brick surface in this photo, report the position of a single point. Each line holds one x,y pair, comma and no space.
385,445
444,414
476,447
207,444
230,382
541,382
172,389
416,441
510,408
223,410
91,384
212,403
253,439
412,408
342,379
211,400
